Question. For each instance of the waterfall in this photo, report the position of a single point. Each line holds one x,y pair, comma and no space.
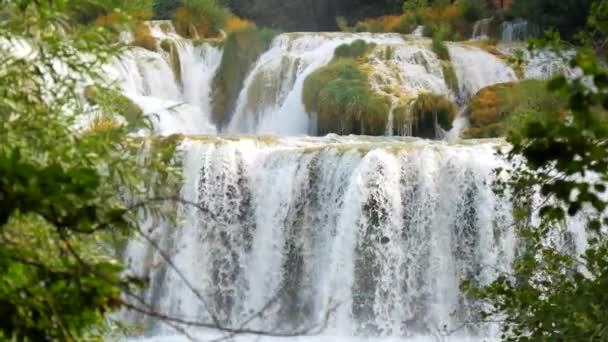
172,87
481,29
477,69
368,236
401,68
518,30
271,99
384,228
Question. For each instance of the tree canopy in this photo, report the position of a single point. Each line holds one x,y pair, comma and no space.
73,176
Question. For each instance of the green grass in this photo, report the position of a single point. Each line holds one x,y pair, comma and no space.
341,97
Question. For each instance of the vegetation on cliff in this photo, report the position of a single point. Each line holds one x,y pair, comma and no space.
425,114
241,49
499,110
200,18
341,97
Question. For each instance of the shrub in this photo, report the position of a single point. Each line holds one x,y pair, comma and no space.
473,10
387,23
407,24
241,49
439,47
340,95
428,111
500,109
413,5
200,18
143,38
88,11
236,24
357,49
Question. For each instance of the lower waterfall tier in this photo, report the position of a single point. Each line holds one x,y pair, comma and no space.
368,236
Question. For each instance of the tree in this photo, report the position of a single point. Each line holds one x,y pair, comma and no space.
555,294
73,177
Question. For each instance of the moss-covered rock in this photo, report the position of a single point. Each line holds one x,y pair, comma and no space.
143,38
428,112
500,109
357,49
449,75
241,49
341,97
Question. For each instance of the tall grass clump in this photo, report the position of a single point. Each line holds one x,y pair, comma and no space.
438,45
429,111
340,96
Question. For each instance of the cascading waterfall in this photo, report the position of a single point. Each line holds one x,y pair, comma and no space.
518,30
270,101
173,87
383,228
481,29
378,232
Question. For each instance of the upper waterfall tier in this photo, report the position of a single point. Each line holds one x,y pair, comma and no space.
175,81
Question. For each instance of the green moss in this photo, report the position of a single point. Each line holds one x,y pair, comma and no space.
343,101
169,47
501,109
450,77
241,49
429,110
440,49
357,49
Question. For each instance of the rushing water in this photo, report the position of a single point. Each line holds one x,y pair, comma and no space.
361,236
380,230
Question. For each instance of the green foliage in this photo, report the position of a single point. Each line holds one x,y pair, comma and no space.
473,10
87,11
340,95
200,18
566,16
357,49
499,110
431,110
64,191
241,49
449,75
554,294
413,5
439,47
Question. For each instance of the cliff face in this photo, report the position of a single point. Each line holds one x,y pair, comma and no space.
310,15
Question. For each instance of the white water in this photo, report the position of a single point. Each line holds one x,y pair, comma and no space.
383,228
377,231
175,105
